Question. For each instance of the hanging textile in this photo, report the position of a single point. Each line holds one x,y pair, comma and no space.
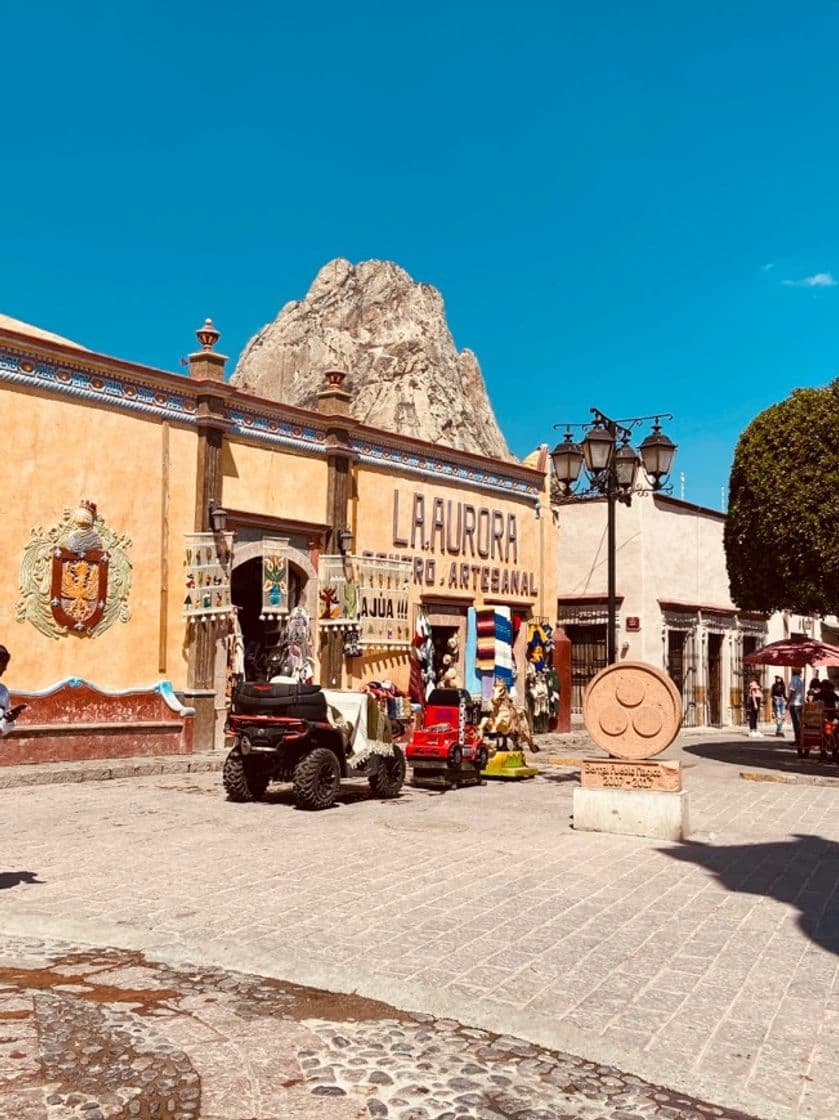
352,642
424,654
472,681
504,646
416,684
537,654
485,630
274,578
368,594
208,559
294,649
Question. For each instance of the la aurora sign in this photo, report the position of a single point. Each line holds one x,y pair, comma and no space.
460,546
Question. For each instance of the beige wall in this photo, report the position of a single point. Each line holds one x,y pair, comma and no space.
57,452
664,552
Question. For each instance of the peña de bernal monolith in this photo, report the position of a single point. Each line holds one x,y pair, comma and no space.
390,334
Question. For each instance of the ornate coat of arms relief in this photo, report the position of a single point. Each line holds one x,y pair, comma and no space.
75,578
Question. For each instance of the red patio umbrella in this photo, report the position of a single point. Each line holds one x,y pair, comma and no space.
795,652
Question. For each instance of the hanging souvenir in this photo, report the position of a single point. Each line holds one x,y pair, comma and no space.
369,594
208,558
274,578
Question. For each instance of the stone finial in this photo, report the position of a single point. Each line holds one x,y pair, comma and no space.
207,364
207,335
333,396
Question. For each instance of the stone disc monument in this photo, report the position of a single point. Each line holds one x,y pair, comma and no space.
634,712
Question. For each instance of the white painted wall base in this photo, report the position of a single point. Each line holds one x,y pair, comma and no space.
633,812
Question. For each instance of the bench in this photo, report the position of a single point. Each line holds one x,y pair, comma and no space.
75,720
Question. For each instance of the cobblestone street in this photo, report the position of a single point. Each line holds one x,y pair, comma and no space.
94,1034
709,967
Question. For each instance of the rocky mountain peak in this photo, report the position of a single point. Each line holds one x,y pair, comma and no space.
390,333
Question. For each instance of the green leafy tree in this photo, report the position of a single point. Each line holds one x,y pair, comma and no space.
782,530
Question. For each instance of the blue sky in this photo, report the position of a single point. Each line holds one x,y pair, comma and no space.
621,203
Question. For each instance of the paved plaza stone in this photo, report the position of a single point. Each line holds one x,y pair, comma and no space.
709,967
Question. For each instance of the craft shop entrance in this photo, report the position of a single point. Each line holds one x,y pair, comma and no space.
448,637
262,640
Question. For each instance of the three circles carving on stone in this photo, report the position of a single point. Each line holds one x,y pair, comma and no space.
632,710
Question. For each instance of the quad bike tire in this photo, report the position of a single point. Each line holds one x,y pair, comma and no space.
243,780
481,758
317,777
388,775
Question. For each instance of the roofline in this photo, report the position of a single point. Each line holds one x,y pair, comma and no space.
668,499
70,356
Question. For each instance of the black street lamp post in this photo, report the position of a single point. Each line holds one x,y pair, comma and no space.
612,468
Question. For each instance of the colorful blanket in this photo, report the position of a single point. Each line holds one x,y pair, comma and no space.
485,652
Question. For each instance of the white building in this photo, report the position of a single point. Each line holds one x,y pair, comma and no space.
674,609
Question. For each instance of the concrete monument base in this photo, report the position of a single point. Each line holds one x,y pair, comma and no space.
633,812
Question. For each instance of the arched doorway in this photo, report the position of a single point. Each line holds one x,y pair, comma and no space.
246,595
261,637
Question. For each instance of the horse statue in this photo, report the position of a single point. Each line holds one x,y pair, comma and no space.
506,720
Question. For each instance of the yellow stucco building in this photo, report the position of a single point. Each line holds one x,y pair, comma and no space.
154,453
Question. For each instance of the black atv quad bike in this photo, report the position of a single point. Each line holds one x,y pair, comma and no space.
282,733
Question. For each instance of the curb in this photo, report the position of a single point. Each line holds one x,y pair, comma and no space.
42,774
790,779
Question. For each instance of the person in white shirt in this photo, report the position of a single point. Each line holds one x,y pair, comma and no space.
7,713
795,698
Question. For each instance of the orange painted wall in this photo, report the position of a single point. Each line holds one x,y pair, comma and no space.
57,452
372,520
60,450
373,528
274,483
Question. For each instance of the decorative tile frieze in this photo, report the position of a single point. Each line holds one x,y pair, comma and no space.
273,429
433,466
73,380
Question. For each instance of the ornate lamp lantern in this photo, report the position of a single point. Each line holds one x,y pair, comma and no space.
657,452
567,459
612,465
626,463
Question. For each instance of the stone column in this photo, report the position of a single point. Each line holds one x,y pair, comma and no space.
334,405
206,366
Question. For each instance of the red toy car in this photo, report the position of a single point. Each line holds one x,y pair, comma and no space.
448,750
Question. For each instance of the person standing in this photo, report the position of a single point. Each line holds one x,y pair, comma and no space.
813,688
755,699
8,715
795,698
830,708
779,705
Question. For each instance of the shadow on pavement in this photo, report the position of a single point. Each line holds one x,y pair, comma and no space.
802,872
766,754
349,794
15,878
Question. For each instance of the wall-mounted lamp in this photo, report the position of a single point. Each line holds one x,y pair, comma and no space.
218,518
344,537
